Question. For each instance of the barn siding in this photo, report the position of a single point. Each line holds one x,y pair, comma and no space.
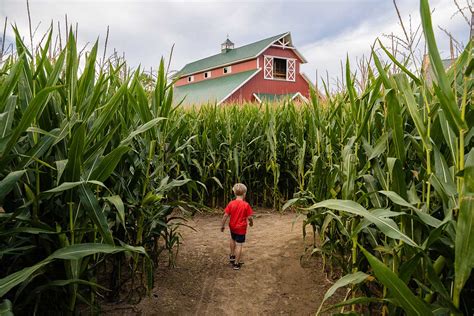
218,72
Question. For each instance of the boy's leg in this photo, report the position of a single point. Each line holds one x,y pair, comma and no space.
238,252
232,247
240,239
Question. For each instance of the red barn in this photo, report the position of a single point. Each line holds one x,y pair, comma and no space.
268,69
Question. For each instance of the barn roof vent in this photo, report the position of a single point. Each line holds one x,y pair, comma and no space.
227,45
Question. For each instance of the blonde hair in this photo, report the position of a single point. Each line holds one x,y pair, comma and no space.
239,189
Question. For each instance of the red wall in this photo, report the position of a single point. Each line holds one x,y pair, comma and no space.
219,72
260,85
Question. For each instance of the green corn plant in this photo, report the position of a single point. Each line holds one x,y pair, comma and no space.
70,171
407,178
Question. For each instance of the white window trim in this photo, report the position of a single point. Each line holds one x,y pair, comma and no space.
257,98
229,70
190,78
298,94
284,47
267,67
287,59
209,74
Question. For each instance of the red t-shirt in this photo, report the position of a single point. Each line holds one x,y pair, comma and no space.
239,211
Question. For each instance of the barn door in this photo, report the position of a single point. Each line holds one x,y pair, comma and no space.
291,69
268,67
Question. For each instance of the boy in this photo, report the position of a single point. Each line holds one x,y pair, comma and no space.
239,212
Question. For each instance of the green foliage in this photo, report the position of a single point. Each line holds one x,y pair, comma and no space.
83,187
412,207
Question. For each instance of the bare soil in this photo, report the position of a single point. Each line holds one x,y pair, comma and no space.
277,277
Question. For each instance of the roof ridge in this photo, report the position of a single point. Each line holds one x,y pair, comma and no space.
234,51
262,40
243,46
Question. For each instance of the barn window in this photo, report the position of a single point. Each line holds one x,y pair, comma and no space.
227,69
279,68
207,74
190,78
275,68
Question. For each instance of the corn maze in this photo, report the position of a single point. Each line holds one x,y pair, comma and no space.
94,164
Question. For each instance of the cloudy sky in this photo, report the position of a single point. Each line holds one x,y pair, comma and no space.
324,31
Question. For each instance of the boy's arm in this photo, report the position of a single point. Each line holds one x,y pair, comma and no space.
250,215
224,219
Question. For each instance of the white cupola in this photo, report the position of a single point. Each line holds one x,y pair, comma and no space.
227,45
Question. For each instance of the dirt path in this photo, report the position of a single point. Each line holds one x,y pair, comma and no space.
273,280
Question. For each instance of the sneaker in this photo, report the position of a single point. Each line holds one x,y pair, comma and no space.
237,266
232,259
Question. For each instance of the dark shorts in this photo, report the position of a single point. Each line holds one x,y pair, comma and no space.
237,238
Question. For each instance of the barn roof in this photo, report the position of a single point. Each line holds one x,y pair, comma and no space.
230,57
213,90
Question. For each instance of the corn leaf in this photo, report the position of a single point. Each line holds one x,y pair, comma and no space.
384,224
141,129
400,65
8,183
413,109
72,252
382,72
106,114
445,93
70,185
73,170
6,118
449,136
411,304
35,107
397,199
353,278
395,121
118,203
9,84
6,308
108,164
464,254
95,212
397,176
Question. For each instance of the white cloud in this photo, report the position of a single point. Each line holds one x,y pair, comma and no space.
326,54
